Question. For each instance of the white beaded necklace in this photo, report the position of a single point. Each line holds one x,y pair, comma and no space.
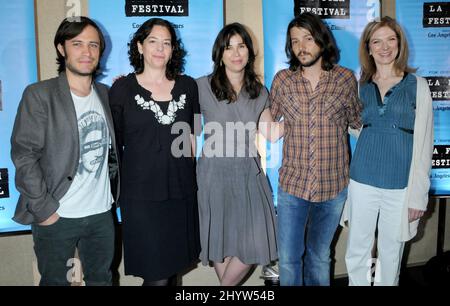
159,115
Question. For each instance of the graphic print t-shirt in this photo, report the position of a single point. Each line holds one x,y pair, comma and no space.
90,191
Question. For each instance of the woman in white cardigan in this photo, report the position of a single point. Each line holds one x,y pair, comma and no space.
389,173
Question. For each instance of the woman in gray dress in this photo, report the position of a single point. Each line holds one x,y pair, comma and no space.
237,218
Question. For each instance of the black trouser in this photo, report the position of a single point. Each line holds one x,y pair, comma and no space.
55,245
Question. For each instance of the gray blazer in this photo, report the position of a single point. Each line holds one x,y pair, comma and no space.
45,147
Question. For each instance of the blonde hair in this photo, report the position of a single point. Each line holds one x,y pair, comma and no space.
368,67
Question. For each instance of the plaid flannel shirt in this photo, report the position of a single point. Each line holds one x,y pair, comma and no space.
315,164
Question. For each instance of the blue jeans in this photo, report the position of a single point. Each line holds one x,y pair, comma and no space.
55,245
322,218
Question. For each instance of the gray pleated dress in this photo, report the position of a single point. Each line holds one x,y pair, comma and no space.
236,211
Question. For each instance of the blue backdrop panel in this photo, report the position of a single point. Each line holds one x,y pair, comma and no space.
197,32
346,19
17,70
427,27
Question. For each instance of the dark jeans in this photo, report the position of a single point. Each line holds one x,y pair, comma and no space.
55,245
321,220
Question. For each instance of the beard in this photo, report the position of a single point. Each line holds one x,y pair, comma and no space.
78,72
311,62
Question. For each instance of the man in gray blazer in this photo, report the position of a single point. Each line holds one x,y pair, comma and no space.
62,139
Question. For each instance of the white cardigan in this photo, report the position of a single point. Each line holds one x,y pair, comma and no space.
419,174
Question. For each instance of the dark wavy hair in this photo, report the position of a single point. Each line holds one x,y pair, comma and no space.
72,27
176,64
322,37
220,85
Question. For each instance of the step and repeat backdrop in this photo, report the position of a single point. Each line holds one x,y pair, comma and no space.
17,69
427,26
197,23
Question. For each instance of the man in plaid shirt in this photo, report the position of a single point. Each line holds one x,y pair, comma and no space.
319,101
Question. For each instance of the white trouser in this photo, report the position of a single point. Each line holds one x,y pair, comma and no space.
366,204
